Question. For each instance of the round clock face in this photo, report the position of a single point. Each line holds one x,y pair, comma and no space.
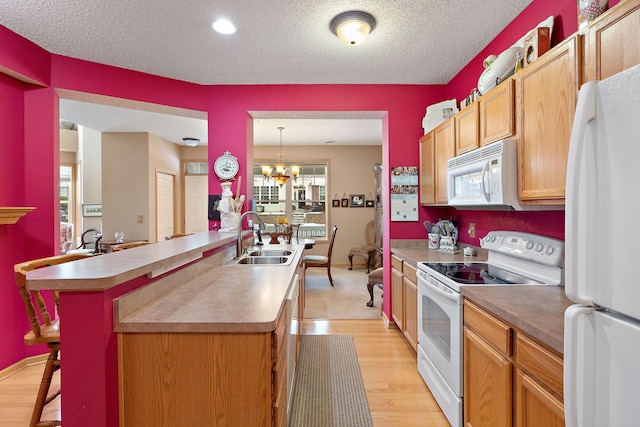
226,166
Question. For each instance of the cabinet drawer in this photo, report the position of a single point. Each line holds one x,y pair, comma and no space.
281,393
410,273
491,329
280,335
396,263
540,363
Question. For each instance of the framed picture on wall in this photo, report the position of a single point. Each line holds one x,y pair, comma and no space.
356,200
91,210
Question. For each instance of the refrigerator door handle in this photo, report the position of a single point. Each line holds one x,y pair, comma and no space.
574,365
580,194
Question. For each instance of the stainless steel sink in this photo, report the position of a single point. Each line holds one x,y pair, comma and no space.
270,252
269,260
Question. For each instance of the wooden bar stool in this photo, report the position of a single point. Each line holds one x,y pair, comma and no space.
44,330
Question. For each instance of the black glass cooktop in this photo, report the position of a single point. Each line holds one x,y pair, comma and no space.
478,273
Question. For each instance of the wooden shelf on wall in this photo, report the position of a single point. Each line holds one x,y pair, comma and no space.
13,214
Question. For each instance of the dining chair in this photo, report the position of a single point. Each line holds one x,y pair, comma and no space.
320,260
367,251
89,242
44,329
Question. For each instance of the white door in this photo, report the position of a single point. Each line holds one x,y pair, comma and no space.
601,370
164,205
196,197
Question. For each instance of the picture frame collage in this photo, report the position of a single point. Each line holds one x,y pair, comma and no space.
353,201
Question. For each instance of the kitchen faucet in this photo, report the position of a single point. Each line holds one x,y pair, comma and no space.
260,227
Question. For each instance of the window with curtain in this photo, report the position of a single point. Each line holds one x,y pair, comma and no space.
302,201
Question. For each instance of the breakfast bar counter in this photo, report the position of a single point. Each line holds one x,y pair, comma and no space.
188,285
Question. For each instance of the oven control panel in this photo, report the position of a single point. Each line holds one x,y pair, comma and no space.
527,246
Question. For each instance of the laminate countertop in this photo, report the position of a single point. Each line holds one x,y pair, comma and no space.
536,310
194,285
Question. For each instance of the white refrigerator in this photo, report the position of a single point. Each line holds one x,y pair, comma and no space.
602,256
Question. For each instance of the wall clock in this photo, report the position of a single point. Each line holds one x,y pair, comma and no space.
226,166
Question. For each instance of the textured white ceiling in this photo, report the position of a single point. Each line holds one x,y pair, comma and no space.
278,41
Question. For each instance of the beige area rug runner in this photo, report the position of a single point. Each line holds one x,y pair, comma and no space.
347,299
329,391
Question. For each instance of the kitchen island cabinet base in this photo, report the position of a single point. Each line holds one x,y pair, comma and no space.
195,379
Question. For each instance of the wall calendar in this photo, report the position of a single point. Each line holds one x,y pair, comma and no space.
404,193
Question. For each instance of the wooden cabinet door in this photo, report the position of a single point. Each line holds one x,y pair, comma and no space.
445,148
397,298
427,170
612,42
411,312
467,134
496,113
546,94
535,405
487,384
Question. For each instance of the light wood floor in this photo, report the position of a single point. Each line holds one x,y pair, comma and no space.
397,395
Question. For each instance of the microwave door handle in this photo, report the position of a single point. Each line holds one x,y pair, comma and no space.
484,182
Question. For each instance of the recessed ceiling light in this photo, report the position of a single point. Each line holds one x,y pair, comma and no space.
223,26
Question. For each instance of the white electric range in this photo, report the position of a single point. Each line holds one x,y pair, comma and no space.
514,259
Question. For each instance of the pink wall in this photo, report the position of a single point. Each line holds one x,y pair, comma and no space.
12,237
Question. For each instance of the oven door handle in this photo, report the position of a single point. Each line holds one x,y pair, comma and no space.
455,297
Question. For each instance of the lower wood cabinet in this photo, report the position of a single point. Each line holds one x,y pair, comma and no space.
487,384
535,405
397,292
404,299
510,379
409,282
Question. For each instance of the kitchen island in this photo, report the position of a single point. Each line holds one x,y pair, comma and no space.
181,289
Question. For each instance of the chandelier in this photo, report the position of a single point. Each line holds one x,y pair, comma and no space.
282,171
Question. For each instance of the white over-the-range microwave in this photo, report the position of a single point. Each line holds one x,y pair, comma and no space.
485,178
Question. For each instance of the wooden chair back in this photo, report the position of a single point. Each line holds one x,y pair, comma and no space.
333,239
90,239
43,329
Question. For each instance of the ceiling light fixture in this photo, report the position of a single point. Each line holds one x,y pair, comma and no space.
353,27
283,172
223,26
191,142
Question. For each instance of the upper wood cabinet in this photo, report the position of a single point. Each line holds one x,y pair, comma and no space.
445,148
612,42
427,170
467,128
496,113
546,95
